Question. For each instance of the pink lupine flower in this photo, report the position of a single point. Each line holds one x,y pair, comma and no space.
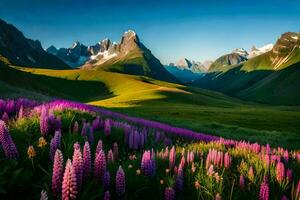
148,164
100,165
280,172
87,163
120,182
99,146
264,191
110,157
251,173
289,174
78,166
5,117
57,174
44,121
169,193
172,158
298,190
69,187
227,160
242,182
44,195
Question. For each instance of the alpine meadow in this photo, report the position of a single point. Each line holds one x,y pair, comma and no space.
165,100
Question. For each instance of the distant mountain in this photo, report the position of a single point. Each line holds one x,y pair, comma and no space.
272,77
25,52
226,62
258,51
184,75
193,66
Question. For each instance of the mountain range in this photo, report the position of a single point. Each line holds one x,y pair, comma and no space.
271,77
127,56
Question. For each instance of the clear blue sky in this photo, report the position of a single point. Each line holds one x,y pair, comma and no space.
197,30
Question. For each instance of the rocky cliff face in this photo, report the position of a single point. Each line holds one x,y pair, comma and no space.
25,52
284,49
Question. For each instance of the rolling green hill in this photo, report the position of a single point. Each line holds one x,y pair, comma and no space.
193,108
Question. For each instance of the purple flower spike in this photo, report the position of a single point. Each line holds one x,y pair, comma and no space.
69,187
106,195
107,127
169,193
91,135
106,180
120,182
55,144
7,143
110,157
5,118
86,160
57,174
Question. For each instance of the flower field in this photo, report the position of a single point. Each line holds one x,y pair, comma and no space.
67,150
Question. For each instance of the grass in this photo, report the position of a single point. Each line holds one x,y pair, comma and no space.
197,109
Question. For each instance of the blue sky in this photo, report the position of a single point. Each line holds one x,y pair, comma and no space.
198,30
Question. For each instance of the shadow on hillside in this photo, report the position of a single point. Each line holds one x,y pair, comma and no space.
78,90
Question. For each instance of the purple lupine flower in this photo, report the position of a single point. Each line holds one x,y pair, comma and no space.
107,127
75,128
264,191
44,121
78,166
87,164
91,135
69,185
242,182
106,180
172,158
131,139
179,183
289,174
136,142
55,144
106,195
110,157
120,182
96,123
116,151
284,198
169,193
100,165
44,195
148,164
5,117
84,129
99,146
280,172
57,174
8,146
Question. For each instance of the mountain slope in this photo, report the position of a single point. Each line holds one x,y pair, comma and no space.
25,52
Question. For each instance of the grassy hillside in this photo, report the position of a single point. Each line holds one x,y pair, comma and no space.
197,109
